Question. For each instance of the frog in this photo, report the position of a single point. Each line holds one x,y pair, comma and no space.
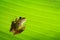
18,26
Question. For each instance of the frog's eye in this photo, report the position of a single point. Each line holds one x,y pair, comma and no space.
20,17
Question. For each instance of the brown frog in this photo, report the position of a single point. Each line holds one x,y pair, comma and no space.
17,26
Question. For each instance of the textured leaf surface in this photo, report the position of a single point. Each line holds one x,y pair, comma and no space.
43,19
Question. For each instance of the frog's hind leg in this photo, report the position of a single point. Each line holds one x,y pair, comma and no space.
19,31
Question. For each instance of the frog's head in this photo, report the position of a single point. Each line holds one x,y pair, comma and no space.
23,20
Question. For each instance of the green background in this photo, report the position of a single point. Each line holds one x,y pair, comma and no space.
43,19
